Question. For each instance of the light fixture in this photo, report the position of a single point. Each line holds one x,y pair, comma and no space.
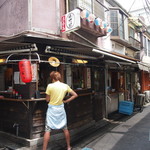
2,60
79,61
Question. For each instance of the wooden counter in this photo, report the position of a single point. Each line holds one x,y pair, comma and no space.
29,114
23,100
43,99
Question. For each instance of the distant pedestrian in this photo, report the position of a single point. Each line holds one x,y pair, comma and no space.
56,115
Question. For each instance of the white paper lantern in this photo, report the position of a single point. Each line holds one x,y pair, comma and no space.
109,29
91,18
84,14
98,21
104,25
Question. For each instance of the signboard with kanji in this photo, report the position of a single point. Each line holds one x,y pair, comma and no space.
71,21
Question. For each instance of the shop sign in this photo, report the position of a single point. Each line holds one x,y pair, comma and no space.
71,21
88,78
34,72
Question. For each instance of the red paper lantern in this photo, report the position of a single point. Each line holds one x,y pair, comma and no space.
25,70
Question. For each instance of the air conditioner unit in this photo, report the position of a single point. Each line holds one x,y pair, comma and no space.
147,96
118,48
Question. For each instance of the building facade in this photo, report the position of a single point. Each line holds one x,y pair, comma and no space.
95,45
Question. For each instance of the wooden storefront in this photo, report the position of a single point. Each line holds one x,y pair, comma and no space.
25,116
145,81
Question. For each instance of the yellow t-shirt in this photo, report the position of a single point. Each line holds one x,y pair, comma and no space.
57,92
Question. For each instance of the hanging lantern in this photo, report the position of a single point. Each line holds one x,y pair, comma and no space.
104,25
25,70
91,18
84,14
109,29
98,21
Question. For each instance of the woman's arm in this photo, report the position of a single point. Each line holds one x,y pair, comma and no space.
73,96
47,98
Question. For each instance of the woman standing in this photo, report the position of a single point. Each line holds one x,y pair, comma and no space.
56,115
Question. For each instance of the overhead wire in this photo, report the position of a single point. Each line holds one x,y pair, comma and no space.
146,10
147,3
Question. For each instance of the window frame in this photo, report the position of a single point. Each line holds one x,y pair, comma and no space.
121,17
145,45
76,4
148,47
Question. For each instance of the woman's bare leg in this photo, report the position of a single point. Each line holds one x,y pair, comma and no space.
46,140
67,136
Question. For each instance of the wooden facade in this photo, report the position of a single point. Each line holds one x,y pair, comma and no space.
145,78
100,84
25,117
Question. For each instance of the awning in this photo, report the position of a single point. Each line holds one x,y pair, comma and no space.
63,46
57,44
114,56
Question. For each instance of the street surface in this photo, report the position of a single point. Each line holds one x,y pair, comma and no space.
130,133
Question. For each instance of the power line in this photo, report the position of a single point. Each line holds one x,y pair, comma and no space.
127,12
148,4
147,10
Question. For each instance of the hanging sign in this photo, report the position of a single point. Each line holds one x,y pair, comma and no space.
34,72
71,21
88,77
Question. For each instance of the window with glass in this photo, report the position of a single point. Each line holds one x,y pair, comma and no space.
84,4
131,32
81,77
149,48
117,21
98,9
145,45
116,81
121,25
114,22
93,6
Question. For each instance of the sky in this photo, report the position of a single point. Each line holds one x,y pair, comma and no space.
131,5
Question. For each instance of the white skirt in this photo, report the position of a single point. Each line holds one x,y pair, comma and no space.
56,116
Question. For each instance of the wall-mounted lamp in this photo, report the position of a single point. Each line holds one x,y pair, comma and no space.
79,61
2,60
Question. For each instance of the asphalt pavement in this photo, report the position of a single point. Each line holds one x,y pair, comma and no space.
128,133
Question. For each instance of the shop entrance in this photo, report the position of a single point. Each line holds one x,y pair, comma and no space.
99,96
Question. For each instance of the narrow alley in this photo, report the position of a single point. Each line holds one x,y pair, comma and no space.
130,132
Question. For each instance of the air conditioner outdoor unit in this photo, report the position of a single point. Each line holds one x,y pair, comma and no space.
147,96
